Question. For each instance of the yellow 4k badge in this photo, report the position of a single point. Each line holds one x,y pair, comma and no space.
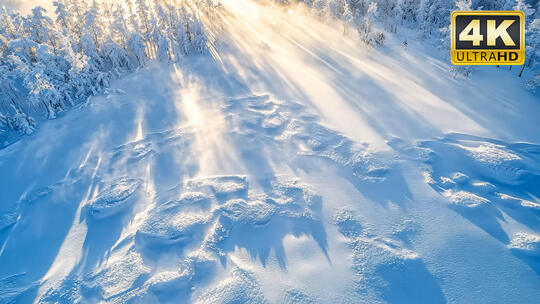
488,37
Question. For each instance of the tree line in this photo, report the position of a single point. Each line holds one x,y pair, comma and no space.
52,61
49,63
431,18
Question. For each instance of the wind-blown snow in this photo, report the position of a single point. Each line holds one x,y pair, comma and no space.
294,166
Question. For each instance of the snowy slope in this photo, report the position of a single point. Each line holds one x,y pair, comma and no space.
292,166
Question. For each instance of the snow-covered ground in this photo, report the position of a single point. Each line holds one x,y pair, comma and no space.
292,166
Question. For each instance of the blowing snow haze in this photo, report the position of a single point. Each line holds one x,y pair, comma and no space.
250,151
26,6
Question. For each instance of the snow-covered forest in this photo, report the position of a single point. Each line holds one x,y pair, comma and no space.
50,61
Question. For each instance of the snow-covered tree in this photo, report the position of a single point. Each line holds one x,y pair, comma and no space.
457,71
119,26
136,47
115,57
197,35
63,16
93,24
388,12
532,52
365,23
320,7
163,49
348,17
7,28
39,25
408,10
133,20
145,22
531,33
20,122
48,65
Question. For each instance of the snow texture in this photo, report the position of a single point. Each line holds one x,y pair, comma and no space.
313,152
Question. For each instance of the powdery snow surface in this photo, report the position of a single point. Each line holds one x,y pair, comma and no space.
293,166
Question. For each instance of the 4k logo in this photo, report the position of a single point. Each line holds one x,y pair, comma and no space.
487,37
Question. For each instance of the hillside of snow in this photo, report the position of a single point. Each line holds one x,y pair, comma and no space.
291,164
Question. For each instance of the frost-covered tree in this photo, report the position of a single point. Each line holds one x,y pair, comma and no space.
63,16
456,71
320,7
162,16
408,10
38,25
388,12
116,59
77,9
133,20
182,34
4,45
197,36
7,27
145,27
48,65
426,18
20,122
532,52
163,49
348,17
119,25
24,48
93,24
136,47
531,33
365,23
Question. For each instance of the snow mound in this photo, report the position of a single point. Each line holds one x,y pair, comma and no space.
151,145
476,159
114,198
522,202
471,171
241,287
405,230
526,242
165,226
223,187
179,242
167,282
490,153
464,198
370,253
296,129
122,271
483,179
254,212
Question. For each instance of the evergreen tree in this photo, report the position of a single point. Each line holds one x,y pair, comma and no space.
7,28
531,34
119,28
39,25
93,24
136,47
408,10
115,57
163,49
63,16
